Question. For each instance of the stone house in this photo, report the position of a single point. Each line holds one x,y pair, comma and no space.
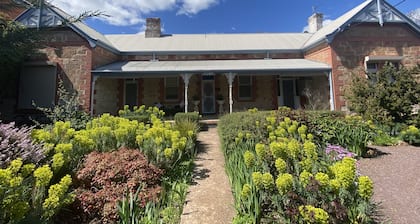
214,73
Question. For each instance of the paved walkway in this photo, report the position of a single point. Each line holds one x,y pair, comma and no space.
395,175
209,198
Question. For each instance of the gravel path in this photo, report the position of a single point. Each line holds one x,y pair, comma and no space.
209,198
395,174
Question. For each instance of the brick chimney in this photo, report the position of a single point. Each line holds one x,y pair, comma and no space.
315,22
152,27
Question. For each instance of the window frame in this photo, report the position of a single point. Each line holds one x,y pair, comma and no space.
22,97
165,90
250,86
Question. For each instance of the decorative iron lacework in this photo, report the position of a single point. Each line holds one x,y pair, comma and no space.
48,18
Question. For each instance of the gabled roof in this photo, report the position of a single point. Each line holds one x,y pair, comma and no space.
52,16
137,44
211,43
368,11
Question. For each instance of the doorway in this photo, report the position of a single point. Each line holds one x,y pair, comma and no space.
286,95
208,105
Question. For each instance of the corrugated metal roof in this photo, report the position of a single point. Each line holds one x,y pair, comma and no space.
240,66
224,43
85,29
53,16
210,42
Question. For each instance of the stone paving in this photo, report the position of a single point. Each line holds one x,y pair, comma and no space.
209,198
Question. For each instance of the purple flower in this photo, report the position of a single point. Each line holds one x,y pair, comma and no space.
17,143
336,152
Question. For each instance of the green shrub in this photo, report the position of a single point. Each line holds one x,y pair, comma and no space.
141,114
31,194
192,116
67,109
251,122
351,132
386,96
411,135
384,139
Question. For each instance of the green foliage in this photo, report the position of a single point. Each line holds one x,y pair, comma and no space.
283,176
165,146
351,132
192,116
384,139
128,210
386,96
23,193
67,109
141,114
411,135
16,43
240,122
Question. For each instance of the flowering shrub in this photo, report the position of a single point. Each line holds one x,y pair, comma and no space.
14,204
411,135
164,146
17,143
22,189
106,177
336,152
286,177
141,114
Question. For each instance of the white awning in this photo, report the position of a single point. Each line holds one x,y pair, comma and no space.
133,68
383,58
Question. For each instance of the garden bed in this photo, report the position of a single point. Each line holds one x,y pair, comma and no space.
283,171
133,170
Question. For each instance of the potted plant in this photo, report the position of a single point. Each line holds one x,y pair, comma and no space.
220,100
196,102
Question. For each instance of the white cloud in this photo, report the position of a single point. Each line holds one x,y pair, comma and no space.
415,15
132,12
191,7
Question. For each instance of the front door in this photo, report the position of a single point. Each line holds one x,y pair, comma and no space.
287,93
208,98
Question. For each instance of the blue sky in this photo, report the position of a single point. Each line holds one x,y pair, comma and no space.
214,16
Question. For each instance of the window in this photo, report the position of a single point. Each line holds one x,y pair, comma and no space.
130,93
37,84
245,87
371,67
374,63
171,88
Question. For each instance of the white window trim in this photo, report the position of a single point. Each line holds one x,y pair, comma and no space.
380,60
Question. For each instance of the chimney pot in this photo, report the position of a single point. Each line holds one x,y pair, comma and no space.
152,27
315,22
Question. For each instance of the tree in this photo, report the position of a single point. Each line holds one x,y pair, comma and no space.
16,43
386,96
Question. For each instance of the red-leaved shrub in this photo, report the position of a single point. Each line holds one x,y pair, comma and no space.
106,177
